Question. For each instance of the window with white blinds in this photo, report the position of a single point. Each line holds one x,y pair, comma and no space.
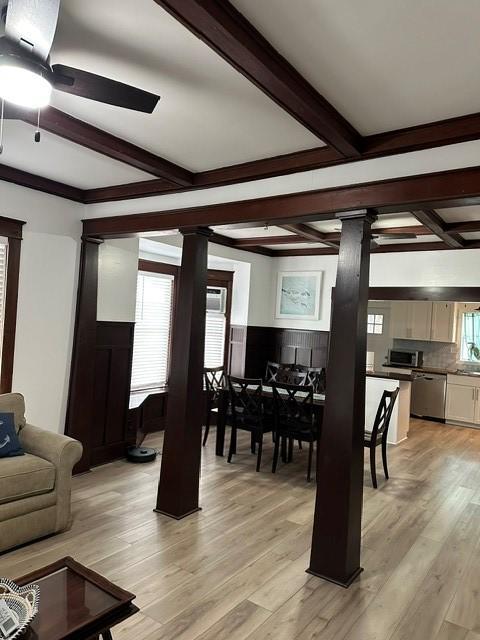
215,339
153,320
3,286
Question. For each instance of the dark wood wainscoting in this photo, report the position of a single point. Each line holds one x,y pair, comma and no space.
288,346
113,366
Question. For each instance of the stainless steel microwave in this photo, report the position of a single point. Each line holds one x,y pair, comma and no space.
405,358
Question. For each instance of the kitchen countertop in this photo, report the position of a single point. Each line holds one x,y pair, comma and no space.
390,375
435,370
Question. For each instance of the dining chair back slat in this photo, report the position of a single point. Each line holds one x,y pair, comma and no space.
294,419
378,435
316,377
246,399
292,378
273,369
214,381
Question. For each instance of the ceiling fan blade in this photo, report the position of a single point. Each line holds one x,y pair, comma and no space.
89,85
30,24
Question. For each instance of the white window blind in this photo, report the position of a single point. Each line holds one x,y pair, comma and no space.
151,347
215,339
3,285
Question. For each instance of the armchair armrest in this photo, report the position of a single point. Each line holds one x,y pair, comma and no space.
58,449
64,453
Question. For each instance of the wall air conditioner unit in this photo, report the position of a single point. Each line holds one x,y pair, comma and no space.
216,299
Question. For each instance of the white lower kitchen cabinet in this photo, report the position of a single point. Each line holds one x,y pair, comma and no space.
463,400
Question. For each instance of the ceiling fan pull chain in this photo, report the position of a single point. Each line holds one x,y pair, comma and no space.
37,132
1,126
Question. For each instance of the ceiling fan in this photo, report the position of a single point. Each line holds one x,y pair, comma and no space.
27,29
378,234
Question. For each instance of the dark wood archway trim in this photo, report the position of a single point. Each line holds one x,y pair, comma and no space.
78,423
456,187
436,294
11,229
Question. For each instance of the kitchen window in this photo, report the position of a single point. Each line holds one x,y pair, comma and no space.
470,336
375,323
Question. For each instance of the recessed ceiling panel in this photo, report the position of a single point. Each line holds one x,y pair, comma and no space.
460,214
208,116
252,232
61,160
383,64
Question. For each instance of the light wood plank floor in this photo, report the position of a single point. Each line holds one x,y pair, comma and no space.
236,570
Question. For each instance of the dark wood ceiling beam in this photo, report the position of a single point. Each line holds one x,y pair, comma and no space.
469,226
230,242
39,183
326,238
90,137
428,136
458,187
309,233
434,222
228,32
383,248
268,240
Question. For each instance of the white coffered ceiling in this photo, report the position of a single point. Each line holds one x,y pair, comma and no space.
383,64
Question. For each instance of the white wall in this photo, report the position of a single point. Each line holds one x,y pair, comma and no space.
416,269
117,280
46,300
252,295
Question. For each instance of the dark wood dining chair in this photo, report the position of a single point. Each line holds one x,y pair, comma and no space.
292,377
246,400
294,419
316,377
214,379
273,369
378,435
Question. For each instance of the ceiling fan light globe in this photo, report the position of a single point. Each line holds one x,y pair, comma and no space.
24,87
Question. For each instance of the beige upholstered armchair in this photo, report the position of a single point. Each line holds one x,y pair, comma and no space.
35,487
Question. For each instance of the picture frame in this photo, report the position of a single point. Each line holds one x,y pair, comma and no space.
298,295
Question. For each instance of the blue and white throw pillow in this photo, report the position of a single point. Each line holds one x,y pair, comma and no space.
9,442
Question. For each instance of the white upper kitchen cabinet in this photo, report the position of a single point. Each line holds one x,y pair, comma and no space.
443,321
423,320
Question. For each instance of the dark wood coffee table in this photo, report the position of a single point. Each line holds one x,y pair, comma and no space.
76,603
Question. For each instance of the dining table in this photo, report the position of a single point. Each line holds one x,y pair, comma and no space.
267,393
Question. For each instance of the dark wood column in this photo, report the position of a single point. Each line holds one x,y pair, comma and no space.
82,371
180,473
335,553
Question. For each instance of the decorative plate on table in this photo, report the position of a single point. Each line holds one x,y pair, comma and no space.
23,601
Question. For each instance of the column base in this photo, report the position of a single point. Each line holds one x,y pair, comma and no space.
340,583
176,517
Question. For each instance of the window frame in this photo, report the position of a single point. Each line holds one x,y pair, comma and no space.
375,324
12,230
216,278
461,313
